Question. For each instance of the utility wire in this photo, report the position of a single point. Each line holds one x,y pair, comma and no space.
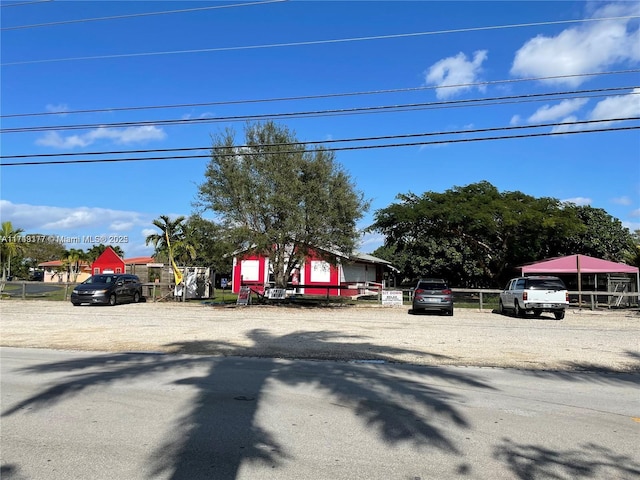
336,112
239,149
319,42
145,14
334,149
316,97
23,3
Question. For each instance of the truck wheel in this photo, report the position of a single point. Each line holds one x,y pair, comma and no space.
501,307
559,314
537,312
518,312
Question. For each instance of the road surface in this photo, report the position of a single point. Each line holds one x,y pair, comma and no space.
72,415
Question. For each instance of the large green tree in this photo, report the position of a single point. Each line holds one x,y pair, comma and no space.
44,249
278,197
603,236
213,247
473,235
633,257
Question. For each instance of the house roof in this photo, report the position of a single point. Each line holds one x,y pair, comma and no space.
139,260
60,263
365,257
571,263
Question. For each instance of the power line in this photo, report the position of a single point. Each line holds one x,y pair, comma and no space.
319,42
333,149
316,97
145,14
336,112
23,3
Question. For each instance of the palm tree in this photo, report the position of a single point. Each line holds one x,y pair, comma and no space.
171,229
9,247
73,260
173,232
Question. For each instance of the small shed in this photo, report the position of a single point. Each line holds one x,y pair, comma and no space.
108,262
590,273
352,276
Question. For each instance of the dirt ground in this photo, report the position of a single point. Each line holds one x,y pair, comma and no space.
583,340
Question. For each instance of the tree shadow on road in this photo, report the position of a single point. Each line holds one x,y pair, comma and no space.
221,432
530,462
595,372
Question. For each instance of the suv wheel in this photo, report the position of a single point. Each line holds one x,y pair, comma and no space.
136,297
112,299
501,307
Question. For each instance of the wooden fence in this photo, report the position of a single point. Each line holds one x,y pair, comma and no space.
484,298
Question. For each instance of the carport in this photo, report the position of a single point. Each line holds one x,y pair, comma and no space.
619,275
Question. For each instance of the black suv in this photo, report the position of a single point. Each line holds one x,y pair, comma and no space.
108,289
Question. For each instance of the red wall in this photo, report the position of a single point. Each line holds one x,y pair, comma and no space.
108,260
238,281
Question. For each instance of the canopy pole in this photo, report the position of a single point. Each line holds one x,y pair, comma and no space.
579,282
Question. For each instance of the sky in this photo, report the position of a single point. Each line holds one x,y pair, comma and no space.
451,71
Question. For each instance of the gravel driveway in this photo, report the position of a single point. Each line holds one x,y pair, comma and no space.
584,340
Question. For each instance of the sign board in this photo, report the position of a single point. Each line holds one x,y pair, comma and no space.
223,282
276,293
392,298
244,296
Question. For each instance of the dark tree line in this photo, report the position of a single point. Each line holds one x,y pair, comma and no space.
476,236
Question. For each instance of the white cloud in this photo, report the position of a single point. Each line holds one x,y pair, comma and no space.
58,220
581,201
120,225
622,201
451,71
116,135
370,242
515,120
621,106
635,213
61,108
548,113
589,47
618,107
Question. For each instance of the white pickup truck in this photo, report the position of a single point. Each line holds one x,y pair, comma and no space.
535,294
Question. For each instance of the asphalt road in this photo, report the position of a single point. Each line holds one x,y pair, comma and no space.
72,415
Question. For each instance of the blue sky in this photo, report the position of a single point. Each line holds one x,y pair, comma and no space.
419,52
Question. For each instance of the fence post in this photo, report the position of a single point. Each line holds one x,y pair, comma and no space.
480,301
24,290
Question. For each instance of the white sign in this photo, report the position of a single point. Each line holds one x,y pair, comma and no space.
392,298
276,293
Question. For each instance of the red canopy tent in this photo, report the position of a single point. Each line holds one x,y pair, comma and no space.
580,264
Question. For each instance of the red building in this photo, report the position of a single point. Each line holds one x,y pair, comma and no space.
352,275
108,262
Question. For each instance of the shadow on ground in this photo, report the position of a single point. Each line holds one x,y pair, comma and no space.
529,462
220,432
